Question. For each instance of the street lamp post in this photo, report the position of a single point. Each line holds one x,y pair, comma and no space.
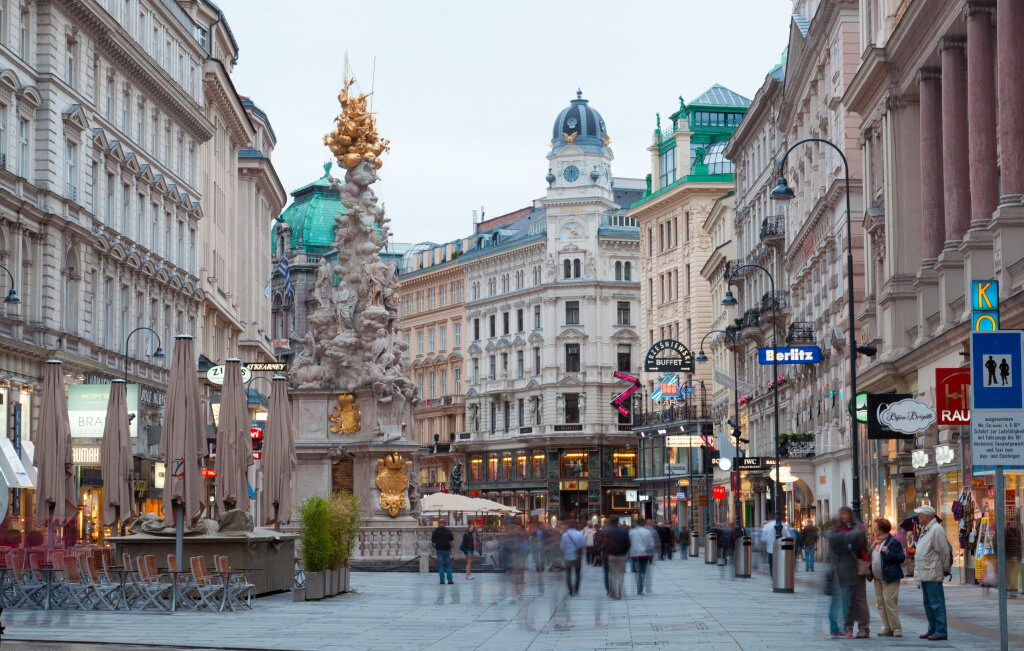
159,353
783,192
12,296
702,358
731,300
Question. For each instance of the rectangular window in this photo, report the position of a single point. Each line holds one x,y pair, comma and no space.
572,407
508,422
536,361
432,374
457,333
430,340
625,357
140,221
419,342
23,162
623,312
476,371
504,365
521,414
126,113
23,38
476,329
505,323
444,383
458,381
536,317
519,320
71,170
493,373
180,261
668,170
572,358
491,321
126,206
572,312
444,338
69,64
94,170
110,100
519,364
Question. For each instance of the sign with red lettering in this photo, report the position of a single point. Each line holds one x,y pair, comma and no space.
953,395
718,492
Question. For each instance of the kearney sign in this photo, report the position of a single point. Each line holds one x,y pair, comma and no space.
680,361
791,355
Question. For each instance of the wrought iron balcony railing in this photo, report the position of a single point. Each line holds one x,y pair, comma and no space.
801,332
773,226
774,300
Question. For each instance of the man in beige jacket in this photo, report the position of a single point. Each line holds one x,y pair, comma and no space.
932,560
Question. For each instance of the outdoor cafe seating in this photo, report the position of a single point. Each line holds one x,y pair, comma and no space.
86,578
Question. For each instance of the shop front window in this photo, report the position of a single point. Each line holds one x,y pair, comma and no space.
506,467
623,463
521,462
538,465
476,468
492,466
575,463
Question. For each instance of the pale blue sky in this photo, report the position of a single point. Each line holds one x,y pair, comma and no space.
468,91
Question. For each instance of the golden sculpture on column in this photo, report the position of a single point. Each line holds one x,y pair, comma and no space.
392,480
345,415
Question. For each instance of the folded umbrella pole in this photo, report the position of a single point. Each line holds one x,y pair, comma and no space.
116,463
278,457
56,494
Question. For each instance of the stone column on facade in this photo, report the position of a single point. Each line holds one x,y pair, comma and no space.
1007,227
932,210
981,118
956,181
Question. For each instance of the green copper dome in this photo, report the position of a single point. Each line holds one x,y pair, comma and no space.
311,216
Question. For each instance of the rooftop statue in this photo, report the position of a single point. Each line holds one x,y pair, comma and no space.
354,341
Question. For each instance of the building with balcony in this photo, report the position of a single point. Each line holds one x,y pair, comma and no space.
432,304
690,179
551,312
939,94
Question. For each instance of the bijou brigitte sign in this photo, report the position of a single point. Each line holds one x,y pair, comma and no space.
896,416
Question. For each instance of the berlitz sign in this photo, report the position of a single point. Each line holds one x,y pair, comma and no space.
668,356
791,355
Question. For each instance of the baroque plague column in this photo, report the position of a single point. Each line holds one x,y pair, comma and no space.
353,403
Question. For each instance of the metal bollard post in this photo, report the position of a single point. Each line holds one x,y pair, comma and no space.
711,548
694,544
784,577
743,557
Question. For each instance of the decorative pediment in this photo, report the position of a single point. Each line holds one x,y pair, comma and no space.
134,259
569,248
118,250
533,384
518,341
504,342
473,348
571,333
454,356
159,184
535,337
131,162
490,346
99,140
115,151
30,97
9,81
74,119
570,379
174,280
625,334
148,266
429,359
417,363
146,172
471,392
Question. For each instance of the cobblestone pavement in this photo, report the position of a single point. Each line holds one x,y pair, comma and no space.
692,606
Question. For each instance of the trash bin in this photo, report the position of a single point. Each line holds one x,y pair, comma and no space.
711,548
784,562
743,557
694,544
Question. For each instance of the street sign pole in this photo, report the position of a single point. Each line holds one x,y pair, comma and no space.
1004,634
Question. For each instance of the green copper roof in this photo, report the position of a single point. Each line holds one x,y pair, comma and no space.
311,215
720,96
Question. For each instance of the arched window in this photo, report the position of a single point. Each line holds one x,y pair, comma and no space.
618,271
567,269
626,274
277,322
576,268
72,286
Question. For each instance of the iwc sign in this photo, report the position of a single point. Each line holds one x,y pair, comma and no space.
668,356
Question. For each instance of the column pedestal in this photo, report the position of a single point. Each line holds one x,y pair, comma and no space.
1007,229
926,282
950,270
976,250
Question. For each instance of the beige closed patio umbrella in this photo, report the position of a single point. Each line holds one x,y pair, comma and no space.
56,497
182,445
116,465
278,457
234,442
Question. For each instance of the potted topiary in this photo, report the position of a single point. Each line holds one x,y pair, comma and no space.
36,537
12,537
315,536
345,521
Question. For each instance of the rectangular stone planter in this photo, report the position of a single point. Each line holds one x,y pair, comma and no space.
345,579
314,585
329,583
298,594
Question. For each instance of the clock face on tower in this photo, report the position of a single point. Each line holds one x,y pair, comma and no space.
571,174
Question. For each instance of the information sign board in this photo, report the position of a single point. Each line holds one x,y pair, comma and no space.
997,398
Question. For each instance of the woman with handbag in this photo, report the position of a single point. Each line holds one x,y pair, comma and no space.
886,571
468,548
849,566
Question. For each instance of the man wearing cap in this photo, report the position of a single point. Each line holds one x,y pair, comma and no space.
931,563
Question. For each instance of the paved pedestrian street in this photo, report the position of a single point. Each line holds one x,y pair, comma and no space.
691,607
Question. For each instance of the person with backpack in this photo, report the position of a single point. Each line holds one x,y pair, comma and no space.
933,559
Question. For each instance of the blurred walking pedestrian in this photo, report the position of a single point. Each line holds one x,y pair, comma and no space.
933,559
886,571
616,546
468,549
809,538
847,545
684,541
573,546
641,549
588,539
665,541
442,539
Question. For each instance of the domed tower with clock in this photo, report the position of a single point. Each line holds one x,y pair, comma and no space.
579,162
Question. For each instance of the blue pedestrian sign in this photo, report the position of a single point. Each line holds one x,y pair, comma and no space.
790,355
996,370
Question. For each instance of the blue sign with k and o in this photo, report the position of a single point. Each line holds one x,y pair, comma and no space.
791,355
996,381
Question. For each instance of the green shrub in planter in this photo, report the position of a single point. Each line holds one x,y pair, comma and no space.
317,547
345,519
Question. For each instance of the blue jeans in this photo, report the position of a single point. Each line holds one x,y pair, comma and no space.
842,595
809,558
683,549
642,562
935,607
444,562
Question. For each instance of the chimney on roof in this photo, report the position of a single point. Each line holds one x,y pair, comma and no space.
476,218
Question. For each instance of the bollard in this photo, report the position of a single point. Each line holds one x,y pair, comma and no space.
694,544
743,557
711,548
784,561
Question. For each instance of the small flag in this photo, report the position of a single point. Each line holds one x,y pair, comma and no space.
283,270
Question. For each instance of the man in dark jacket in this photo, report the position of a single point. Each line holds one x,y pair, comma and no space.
665,538
616,546
442,540
809,538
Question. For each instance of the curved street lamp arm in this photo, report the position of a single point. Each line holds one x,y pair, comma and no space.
128,338
9,274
